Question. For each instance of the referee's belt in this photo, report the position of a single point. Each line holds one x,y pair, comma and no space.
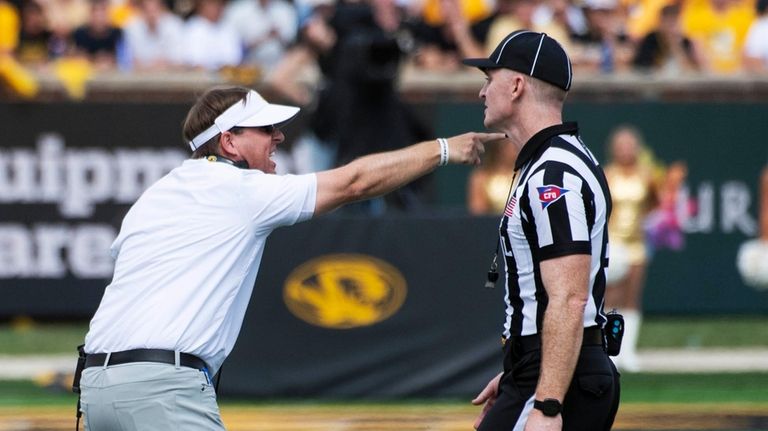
144,355
593,336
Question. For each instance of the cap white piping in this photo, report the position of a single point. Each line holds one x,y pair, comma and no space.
538,50
501,51
568,64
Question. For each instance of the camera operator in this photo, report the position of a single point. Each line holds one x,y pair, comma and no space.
359,109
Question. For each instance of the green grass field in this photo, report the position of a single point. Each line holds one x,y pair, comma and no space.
703,332
742,388
718,401
723,402
24,337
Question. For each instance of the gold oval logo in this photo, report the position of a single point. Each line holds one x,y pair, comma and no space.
344,291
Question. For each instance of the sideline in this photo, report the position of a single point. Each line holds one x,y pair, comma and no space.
704,360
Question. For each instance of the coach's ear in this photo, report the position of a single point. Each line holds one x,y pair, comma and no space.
228,146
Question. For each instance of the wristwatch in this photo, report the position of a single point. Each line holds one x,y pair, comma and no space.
550,407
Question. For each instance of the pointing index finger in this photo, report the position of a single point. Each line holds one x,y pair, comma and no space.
486,137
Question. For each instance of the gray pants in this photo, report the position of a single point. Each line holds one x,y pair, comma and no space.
146,396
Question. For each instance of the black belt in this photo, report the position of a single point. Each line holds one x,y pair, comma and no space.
593,336
144,355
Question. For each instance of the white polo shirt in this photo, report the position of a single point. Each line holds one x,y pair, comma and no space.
187,257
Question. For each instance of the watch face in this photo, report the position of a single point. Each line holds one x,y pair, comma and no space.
550,407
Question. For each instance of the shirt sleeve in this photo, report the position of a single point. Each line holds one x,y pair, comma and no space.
558,211
279,200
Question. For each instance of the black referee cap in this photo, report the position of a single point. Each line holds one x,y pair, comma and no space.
531,53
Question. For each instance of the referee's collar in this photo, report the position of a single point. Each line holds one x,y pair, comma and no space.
531,147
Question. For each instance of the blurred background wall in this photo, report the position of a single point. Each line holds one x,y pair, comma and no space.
70,170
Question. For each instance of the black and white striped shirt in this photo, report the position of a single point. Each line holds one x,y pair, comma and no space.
560,206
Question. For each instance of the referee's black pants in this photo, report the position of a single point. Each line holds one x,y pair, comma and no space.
590,404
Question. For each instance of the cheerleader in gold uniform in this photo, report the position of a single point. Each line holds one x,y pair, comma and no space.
633,194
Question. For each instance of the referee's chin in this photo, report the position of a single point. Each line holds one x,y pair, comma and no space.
492,126
488,125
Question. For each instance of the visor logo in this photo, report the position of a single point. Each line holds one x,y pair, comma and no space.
550,194
344,291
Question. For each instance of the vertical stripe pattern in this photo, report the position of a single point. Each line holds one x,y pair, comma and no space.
560,207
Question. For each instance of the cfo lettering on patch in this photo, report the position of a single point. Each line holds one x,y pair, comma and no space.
550,194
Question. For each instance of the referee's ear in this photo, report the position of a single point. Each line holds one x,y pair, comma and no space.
517,86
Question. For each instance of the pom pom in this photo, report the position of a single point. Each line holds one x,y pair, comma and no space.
752,262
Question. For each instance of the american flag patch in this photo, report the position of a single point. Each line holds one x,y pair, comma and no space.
510,206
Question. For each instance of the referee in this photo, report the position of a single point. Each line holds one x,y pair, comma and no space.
553,239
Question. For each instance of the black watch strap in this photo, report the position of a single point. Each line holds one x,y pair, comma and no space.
550,407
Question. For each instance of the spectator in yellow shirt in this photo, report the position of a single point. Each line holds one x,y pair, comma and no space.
643,16
9,28
719,28
12,75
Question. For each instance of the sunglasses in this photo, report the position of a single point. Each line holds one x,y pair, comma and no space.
269,130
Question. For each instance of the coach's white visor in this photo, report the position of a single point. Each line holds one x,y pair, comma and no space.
254,111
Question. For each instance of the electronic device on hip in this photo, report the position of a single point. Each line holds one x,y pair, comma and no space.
614,332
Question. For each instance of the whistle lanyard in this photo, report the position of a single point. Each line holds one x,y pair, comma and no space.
493,272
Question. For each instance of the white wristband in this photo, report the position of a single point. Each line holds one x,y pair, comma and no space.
443,151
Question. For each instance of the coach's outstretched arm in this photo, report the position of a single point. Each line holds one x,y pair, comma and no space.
377,174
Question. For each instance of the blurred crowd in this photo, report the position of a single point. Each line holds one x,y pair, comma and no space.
665,36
